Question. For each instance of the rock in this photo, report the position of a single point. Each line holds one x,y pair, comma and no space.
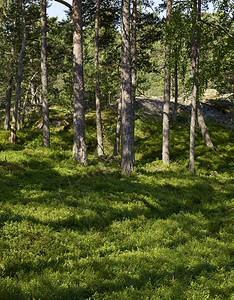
56,123
210,94
218,110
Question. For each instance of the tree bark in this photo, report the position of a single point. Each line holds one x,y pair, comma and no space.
195,65
200,119
12,137
134,50
8,101
26,97
176,93
203,128
45,105
100,148
118,127
134,64
79,146
166,105
24,105
33,94
127,144
19,115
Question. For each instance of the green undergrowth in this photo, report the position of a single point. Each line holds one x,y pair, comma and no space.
74,232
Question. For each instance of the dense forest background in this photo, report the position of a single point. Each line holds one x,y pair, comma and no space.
177,57
216,56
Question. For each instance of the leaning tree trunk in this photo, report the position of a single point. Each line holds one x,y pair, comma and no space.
79,145
100,148
203,128
200,119
166,105
45,105
127,144
8,101
195,64
12,137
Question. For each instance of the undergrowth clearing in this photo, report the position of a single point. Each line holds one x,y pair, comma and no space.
74,232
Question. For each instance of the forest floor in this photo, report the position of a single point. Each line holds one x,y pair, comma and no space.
69,231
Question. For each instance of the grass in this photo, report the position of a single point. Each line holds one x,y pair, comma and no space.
74,232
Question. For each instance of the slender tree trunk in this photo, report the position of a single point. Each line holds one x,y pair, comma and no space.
134,63
19,115
203,128
45,105
166,106
100,148
200,119
118,127
176,93
79,146
8,101
127,144
33,94
195,58
26,97
24,105
12,137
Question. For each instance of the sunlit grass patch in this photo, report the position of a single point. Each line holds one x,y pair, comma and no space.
69,231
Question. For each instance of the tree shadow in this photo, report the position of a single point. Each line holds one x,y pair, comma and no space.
126,198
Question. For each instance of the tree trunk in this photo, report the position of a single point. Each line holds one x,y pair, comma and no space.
79,146
134,50
19,115
8,101
33,94
45,105
203,128
200,119
127,145
24,105
195,65
26,97
12,137
118,127
166,106
176,93
100,148
134,63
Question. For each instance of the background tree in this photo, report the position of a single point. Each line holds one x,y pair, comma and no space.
12,136
195,58
127,143
100,148
45,106
166,106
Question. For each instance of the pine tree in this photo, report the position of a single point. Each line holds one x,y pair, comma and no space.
127,143
45,106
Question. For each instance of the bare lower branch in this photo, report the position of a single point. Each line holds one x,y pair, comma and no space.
65,3
219,26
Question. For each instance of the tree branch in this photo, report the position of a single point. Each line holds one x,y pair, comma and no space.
65,3
219,26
